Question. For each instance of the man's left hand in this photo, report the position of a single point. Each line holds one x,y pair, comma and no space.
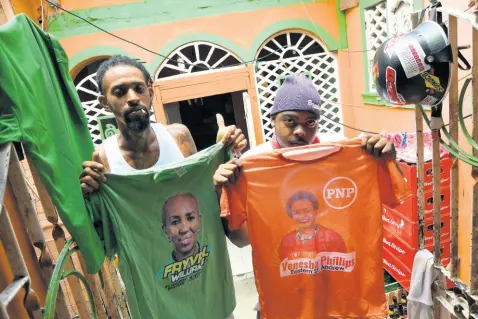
379,146
230,135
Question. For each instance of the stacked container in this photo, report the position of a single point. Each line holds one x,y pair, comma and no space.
400,225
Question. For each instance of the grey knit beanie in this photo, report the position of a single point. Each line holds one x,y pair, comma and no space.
297,93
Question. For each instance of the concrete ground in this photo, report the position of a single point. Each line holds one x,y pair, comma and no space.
246,297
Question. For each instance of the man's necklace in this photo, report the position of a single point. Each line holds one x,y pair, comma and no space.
299,237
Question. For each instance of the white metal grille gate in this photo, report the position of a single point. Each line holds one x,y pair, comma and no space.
321,68
376,32
91,106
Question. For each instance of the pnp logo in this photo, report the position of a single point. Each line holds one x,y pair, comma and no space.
340,192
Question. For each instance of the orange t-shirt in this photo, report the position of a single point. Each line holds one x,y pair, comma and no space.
314,220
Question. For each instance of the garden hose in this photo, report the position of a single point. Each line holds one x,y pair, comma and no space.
454,148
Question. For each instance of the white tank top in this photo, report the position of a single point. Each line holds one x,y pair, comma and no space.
168,151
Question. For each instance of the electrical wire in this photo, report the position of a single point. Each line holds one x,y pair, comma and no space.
148,50
117,36
353,128
317,31
372,108
454,147
460,113
33,190
199,66
310,17
183,62
153,52
243,63
469,8
464,77
50,24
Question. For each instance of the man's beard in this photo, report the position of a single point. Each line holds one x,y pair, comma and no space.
137,119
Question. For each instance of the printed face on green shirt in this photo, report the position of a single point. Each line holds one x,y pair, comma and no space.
181,223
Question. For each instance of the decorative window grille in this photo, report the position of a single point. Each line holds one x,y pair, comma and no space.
293,53
88,91
384,20
376,33
399,14
196,57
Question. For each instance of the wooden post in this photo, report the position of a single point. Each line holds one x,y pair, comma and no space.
436,125
30,218
19,270
109,291
60,240
159,108
115,283
453,120
48,207
46,266
420,165
73,282
474,218
25,203
420,178
436,196
46,260
93,282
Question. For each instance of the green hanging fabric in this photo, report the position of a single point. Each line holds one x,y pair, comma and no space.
40,108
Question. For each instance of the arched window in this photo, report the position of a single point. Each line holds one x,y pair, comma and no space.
87,88
196,57
292,52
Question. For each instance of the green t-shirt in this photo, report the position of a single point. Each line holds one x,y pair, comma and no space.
164,225
40,108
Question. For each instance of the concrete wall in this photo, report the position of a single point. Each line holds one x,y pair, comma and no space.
163,28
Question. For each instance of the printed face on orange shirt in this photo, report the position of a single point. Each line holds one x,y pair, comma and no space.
304,214
302,207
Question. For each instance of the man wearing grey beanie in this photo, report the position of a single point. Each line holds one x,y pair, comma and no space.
295,117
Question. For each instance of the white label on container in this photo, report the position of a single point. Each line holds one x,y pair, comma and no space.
412,58
429,100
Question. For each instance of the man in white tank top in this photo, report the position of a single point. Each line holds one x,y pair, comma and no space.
126,91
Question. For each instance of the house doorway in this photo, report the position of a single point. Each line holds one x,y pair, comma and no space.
178,100
199,115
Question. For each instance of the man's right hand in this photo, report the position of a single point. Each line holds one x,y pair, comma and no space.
92,175
226,173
